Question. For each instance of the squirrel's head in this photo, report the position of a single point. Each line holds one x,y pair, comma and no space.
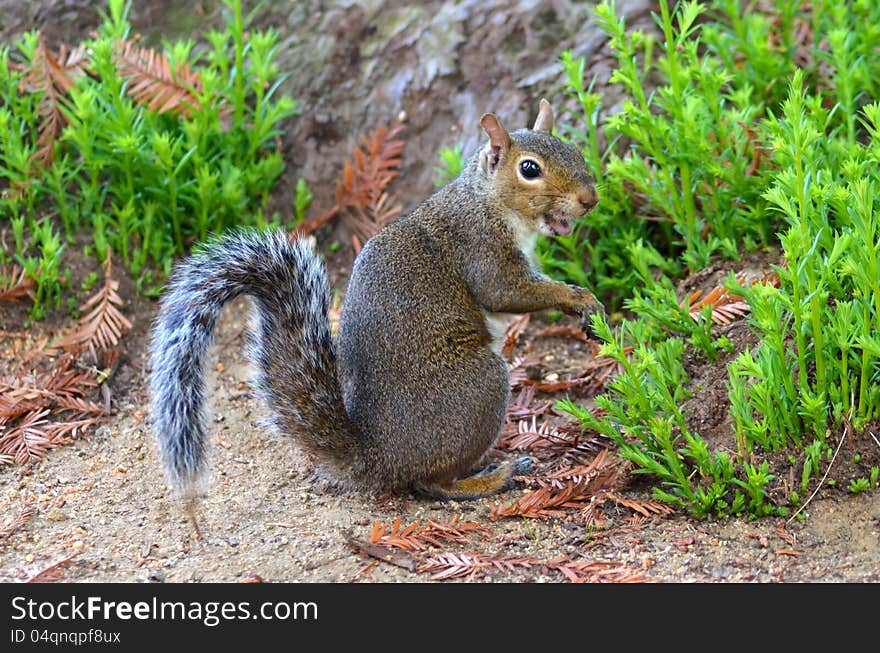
544,180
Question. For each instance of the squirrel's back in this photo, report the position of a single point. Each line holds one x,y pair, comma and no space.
430,336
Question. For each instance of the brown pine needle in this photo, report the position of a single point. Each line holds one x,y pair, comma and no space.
644,508
471,566
52,573
27,440
155,82
571,486
25,512
788,552
418,536
52,75
514,331
563,384
520,405
42,410
545,502
529,436
598,572
102,324
60,388
447,566
784,534
361,193
562,332
152,81
517,371
560,441
726,306
401,559
66,432
14,283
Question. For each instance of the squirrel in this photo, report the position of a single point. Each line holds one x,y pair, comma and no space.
412,393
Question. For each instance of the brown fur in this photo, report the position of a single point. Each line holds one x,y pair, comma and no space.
420,378
412,394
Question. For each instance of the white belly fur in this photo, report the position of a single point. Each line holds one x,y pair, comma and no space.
526,239
496,325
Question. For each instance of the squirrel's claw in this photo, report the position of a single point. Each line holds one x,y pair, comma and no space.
587,310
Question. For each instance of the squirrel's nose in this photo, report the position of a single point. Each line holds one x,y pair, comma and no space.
588,199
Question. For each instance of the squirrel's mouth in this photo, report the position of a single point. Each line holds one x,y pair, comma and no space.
559,226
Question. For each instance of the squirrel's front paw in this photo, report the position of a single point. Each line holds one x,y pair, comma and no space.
589,307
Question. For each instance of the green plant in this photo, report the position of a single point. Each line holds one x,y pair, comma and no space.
656,302
646,398
813,456
553,316
757,478
686,184
301,201
44,268
859,485
148,151
451,164
825,314
732,145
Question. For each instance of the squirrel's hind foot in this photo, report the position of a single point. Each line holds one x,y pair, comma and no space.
485,483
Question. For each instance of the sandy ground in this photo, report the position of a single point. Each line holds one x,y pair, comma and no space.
101,505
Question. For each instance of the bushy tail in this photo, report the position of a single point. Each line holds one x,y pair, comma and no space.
291,345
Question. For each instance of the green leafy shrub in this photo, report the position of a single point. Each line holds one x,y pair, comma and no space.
451,164
147,150
686,182
755,133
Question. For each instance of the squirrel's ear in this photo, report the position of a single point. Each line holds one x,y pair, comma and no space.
499,140
544,121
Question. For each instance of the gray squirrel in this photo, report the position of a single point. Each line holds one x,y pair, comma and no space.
413,392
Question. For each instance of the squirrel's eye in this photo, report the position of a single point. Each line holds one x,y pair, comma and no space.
529,169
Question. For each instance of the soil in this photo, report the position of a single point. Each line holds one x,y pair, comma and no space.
100,510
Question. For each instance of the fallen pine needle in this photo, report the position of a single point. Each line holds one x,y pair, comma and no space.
51,573
418,536
25,512
384,554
